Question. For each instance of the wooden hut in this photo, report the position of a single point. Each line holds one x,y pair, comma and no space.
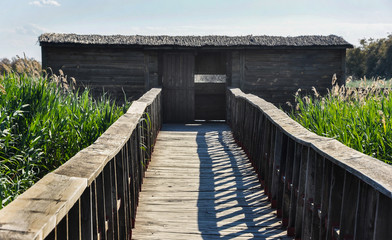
194,71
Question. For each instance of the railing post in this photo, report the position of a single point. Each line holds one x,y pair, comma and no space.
309,197
325,193
349,206
366,212
301,191
318,183
383,218
122,200
94,206
109,223
281,176
278,160
335,201
294,189
101,206
73,222
62,229
288,179
87,214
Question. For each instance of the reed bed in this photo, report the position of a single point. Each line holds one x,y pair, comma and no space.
43,123
359,117
372,83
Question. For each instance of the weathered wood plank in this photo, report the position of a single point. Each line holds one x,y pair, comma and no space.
37,211
203,189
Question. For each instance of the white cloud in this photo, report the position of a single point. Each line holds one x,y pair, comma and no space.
41,3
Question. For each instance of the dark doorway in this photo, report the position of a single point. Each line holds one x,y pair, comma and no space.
210,86
178,87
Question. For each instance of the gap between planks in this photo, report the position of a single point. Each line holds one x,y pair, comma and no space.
200,185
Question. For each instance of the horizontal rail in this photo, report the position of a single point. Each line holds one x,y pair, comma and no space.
321,188
94,195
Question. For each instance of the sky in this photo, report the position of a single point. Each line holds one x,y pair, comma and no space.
22,21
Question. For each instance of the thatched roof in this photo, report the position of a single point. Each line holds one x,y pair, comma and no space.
195,41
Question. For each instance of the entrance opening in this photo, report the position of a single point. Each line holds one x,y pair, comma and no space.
210,86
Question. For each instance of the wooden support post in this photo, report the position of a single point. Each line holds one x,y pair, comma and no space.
265,155
121,195
318,183
383,218
288,179
127,181
259,145
94,207
115,197
281,175
275,169
308,206
107,181
293,188
349,206
73,222
325,192
366,212
101,206
86,209
335,200
62,229
301,192
269,162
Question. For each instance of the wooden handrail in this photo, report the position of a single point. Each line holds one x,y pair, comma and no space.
93,195
321,188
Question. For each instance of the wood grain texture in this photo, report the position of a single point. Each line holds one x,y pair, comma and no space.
277,74
91,191
37,211
370,170
178,87
113,70
335,191
200,185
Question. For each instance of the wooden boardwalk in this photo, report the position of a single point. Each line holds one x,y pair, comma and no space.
200,185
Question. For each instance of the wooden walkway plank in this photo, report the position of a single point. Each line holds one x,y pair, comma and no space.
201,185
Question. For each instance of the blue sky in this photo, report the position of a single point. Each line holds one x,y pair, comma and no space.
22,21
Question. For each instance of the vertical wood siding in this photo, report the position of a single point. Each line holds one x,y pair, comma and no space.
178,87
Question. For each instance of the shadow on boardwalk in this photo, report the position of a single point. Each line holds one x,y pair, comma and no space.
201,185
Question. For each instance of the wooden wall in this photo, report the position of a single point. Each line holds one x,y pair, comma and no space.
273,74
111,69
276,75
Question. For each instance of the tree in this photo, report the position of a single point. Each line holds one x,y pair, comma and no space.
372,58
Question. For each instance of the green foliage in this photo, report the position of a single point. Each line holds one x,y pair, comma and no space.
372,58
42,126
360,119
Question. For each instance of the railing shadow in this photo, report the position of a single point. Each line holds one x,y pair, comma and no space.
231,203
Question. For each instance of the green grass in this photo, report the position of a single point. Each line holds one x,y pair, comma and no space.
360,119
42,125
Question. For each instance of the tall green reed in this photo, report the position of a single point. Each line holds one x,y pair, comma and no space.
358,117
42,125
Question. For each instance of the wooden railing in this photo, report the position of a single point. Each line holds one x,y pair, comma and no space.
94,195
321,188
